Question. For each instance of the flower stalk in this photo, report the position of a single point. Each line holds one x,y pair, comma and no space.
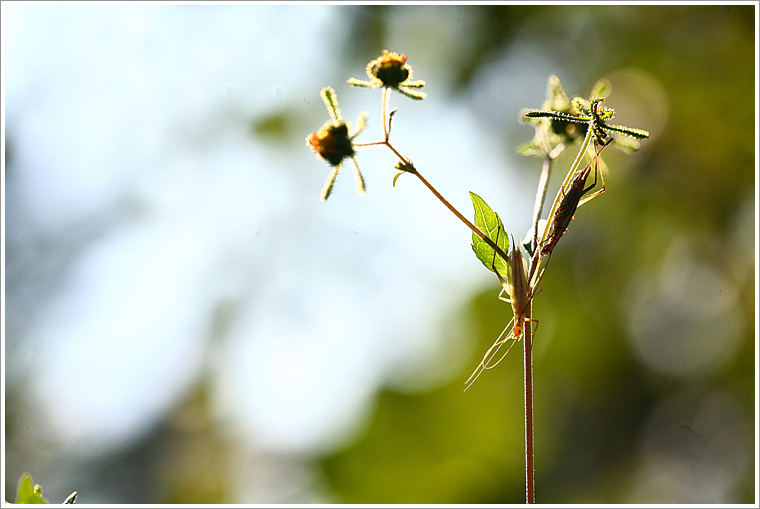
559,123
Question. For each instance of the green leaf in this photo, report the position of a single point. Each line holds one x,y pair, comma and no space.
556,115
28,492
639,134
601,88
490,224
331,101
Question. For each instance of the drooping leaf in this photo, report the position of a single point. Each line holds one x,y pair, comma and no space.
490,224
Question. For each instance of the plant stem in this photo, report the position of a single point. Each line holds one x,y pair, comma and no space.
568,178
406,162
530,497
384,110
543,186
454,211
530,487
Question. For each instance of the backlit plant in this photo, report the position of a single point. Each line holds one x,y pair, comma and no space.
559,123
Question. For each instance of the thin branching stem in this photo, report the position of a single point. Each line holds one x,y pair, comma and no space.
568,178
534,263
528,332
571,193
406,162
384,109
454,211
407,166
543,186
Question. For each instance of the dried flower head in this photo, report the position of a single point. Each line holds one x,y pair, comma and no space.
334,142
390,70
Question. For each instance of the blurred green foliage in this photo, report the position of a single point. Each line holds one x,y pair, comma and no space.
688,192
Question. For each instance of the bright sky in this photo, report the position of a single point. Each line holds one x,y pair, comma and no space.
150,215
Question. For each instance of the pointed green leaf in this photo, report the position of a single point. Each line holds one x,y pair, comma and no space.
331,101
639,134
28,492
490,224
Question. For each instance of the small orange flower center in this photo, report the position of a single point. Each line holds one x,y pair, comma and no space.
390,68
332,143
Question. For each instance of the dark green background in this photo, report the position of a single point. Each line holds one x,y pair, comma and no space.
592,397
